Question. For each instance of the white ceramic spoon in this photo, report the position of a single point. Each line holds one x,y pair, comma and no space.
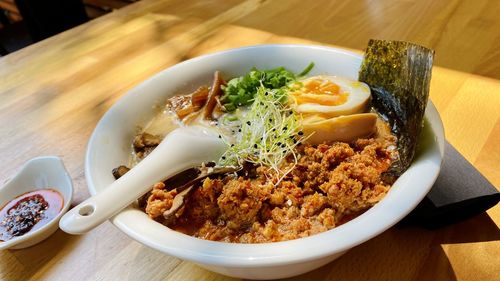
183,148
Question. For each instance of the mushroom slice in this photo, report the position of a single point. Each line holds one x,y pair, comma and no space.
177,203
190,183
119,171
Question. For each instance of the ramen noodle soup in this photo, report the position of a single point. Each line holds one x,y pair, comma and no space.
304,155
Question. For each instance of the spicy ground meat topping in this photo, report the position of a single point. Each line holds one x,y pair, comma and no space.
329,185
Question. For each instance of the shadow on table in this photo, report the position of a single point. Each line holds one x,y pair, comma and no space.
386,259
406,253
480,228
32,259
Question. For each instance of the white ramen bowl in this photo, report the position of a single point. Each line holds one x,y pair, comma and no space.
110,147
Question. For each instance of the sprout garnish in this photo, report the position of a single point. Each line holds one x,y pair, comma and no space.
268,133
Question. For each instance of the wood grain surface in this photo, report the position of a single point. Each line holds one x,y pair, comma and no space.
54,92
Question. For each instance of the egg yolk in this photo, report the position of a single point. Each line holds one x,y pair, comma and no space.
320,91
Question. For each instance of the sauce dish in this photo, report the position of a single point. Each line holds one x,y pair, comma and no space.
38,174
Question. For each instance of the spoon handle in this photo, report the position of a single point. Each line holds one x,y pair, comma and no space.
178,151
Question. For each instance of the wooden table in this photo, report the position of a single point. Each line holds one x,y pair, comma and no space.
53,93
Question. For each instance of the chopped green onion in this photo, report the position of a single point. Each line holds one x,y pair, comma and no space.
306,70
240,91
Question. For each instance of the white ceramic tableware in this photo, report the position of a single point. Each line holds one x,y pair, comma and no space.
109,147
183,148
38,173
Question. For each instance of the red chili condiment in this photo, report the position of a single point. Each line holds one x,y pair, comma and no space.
28,212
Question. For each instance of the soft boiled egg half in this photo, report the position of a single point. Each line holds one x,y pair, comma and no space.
330,96
333,108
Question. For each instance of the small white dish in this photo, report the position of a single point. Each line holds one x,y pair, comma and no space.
38,173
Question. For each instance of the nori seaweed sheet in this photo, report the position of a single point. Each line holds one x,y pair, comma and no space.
399,75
